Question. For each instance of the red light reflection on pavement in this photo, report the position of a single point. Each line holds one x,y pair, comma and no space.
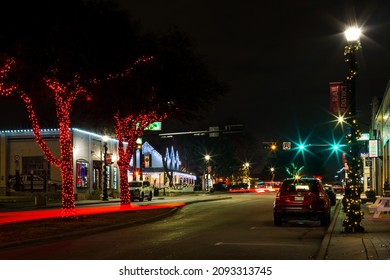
23,216
253,191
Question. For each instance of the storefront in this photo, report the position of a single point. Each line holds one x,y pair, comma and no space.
93,157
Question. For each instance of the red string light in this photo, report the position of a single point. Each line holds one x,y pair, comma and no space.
6,89
65,95
129,129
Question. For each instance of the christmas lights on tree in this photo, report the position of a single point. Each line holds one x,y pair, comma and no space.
129,129
65,95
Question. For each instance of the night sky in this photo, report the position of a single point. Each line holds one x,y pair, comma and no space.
278,57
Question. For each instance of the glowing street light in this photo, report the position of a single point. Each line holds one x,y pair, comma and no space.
352,34
272,169
340,119
207,173
352,192
246,167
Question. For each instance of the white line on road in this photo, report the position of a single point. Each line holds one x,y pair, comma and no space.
259,244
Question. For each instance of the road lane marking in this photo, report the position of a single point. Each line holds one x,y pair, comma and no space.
258,244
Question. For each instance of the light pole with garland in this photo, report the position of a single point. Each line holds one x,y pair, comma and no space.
352,198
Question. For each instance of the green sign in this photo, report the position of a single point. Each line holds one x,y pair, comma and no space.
152,126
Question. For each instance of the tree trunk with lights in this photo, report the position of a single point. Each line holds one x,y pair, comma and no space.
64,96
124,157
129,129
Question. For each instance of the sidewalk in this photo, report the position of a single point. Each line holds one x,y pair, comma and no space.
373,244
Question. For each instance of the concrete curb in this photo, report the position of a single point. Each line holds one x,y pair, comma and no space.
323,252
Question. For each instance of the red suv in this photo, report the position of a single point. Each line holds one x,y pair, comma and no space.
303,198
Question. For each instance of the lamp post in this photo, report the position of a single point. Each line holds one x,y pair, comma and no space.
247,175
352,192
272,169
207,160
105,191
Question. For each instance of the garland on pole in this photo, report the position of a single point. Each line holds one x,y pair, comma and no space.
352,200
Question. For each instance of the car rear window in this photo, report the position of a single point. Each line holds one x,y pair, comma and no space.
299,186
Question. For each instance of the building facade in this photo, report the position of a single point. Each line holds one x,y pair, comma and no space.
92,153
380,145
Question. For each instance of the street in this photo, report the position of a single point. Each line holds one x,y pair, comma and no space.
240,228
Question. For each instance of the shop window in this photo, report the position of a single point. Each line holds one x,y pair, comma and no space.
82,174
108,169
97,175
38,165
115,178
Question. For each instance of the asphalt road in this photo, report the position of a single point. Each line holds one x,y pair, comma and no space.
240,228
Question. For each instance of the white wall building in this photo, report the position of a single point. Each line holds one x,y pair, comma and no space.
19,153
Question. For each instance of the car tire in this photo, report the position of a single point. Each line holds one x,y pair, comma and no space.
150,196
325,220
278,221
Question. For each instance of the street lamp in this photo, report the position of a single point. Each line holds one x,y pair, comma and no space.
247,173
272,169
105,183
352,192
207,160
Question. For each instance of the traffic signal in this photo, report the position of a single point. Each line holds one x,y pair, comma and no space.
271,146
302,147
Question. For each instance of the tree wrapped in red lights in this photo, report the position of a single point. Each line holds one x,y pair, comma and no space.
69,36
129,129
64,96
54,44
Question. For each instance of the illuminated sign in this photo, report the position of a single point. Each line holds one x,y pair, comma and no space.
373,148
364,137
152,126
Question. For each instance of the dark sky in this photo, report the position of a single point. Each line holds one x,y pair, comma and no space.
279,56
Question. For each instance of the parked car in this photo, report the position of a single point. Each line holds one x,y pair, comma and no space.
221,187
139,190
38,183
303,198
338,188
331,194
240,187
